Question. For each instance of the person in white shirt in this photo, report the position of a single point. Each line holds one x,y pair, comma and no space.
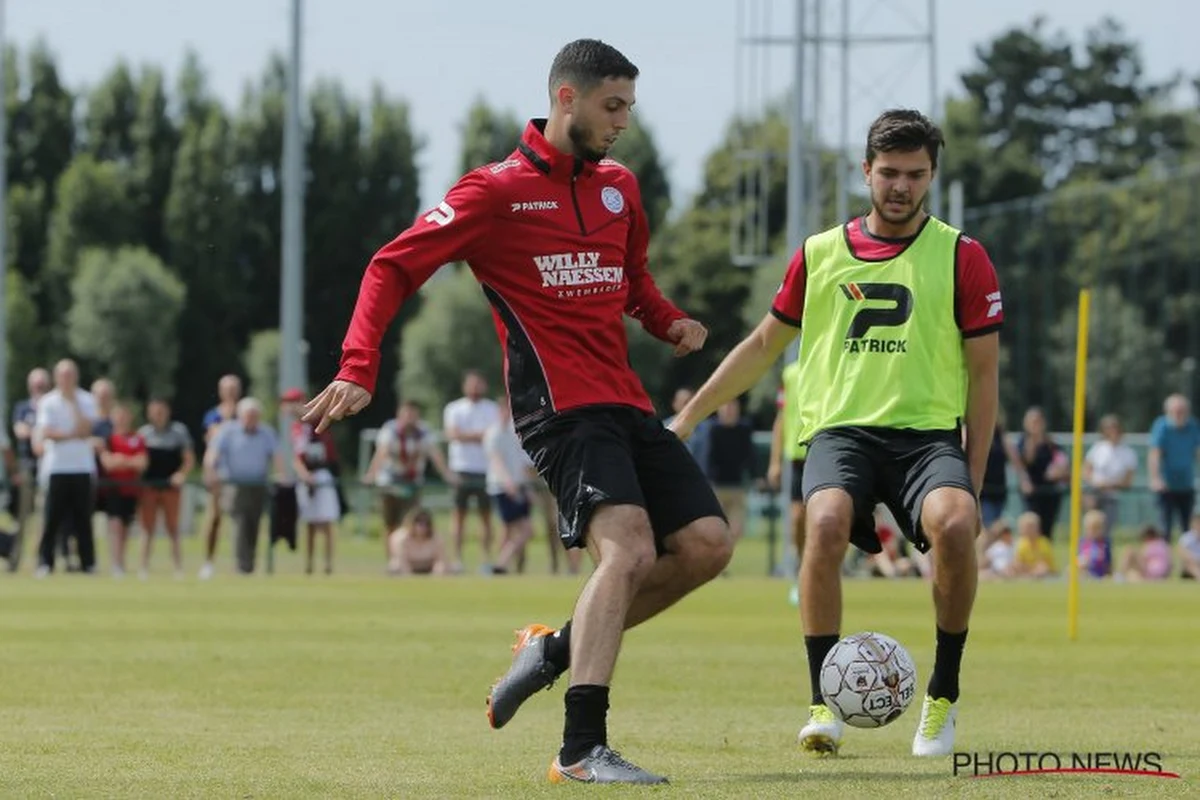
1108,470
508,477
63,430
464,422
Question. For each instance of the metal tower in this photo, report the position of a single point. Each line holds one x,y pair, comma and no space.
850,60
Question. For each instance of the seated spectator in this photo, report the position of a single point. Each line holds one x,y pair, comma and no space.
1095,549
1189,551
1149,560
996,551
892,561
414,548
1034,557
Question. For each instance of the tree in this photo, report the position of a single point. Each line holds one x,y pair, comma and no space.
112,109
203,226
488,135
26,336
92,209
154,141
42,124
453,331
637,150
261,362
126,305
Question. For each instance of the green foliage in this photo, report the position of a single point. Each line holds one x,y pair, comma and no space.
487,136
261,362
123,319
453,331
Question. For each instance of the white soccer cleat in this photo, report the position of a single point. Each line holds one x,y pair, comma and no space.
935,731
206,571
823,733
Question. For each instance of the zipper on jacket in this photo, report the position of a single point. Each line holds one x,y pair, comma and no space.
574,199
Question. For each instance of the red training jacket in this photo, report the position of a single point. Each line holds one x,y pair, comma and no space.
559,246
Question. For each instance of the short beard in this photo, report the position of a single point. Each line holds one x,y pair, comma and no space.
917,208
579,140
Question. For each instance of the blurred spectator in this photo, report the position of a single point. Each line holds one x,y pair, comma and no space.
1034,556
507,484
464,422
697,443
229,392
993,497
997,554
1174,445
1149,559
404,446
414,548
1108,469
24,418
170,458
63,430
240,460
785,446
1095,548
316,464
1042,467
730,461
123,459
547,507
1189,551
892,561
10,478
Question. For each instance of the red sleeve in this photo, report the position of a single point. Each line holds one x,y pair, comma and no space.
789,300
646,303
977,304
450,232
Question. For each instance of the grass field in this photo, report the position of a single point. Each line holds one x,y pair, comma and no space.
357,685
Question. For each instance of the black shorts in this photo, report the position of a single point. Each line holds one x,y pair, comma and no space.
512,509
120,506
894,467
619,455
471,484
798,480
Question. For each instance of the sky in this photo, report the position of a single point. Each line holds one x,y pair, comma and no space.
440,56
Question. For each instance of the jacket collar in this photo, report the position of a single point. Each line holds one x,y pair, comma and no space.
547,158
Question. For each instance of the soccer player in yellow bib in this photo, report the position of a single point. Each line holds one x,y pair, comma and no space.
901,316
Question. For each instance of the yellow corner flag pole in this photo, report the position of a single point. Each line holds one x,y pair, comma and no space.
1081,358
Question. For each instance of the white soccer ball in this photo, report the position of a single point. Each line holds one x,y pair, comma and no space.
868,680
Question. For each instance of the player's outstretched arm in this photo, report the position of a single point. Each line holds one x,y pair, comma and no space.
740,370
452,231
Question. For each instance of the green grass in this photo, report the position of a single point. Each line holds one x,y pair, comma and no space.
361,686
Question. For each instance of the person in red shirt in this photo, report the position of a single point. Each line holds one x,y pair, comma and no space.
124,459
930,479
556,235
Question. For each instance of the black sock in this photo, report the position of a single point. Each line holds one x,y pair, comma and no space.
947,660
818,647
558,649
587,722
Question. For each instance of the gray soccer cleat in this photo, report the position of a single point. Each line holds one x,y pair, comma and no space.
602,765
529,674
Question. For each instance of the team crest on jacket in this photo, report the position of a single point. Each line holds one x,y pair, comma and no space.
612,198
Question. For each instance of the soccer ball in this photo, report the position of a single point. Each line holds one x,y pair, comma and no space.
868,680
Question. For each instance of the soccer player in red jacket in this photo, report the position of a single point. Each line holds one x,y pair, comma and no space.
556,236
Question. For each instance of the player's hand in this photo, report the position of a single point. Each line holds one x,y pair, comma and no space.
774,473
339,400
1158,485
680,429
688,335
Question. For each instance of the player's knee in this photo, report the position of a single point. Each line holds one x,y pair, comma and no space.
951,524
709,547
827,525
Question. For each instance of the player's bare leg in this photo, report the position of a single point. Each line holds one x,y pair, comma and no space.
828,518
949,519
485,518
694,556
622,542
